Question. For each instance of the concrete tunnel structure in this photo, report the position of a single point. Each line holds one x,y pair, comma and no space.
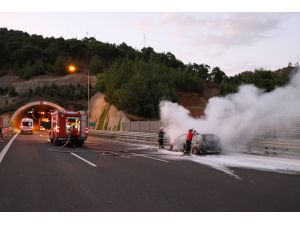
33,110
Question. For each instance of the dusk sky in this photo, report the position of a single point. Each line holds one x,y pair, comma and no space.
233,41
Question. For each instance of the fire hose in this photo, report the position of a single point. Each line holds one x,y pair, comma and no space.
57,149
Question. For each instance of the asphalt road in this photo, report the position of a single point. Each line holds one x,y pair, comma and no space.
115,176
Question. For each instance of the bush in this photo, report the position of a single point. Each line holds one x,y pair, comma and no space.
59,66
12,91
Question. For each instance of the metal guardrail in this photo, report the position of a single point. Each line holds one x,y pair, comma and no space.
149,138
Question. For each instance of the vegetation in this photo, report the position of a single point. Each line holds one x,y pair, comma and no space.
261,78
67,92
138,86
135,81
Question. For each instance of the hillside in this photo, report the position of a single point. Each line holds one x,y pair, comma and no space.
64,90
135,81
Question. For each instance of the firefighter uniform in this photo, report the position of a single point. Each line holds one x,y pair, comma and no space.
188,142
161,134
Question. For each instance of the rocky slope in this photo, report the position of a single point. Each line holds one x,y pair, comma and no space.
105,115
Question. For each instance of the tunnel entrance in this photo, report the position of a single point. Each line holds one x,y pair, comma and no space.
39,111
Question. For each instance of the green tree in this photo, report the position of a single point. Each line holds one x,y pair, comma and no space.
96,65
27,72
39,67
59,66
217,75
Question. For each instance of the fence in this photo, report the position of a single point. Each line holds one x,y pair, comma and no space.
281,138
287,127
142,126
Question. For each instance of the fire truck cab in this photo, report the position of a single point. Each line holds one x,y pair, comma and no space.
61,123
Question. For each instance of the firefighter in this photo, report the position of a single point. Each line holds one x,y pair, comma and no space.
188,142
161,134
74,136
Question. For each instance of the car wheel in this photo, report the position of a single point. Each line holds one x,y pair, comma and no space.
202,152
195,151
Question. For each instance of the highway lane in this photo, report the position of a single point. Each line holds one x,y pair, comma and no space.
130,177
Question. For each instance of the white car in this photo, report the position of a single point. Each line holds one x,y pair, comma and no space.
27,125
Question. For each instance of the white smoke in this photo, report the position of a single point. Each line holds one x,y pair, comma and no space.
236,118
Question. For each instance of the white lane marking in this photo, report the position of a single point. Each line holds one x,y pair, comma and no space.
84,160
5,149
122,142
145,156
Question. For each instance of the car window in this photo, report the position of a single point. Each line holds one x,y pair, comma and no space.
210,137
28,124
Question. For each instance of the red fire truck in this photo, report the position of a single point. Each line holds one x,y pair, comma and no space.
61,124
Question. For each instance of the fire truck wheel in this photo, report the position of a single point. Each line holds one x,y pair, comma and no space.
56,142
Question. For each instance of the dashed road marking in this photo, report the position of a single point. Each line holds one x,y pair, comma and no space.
84,160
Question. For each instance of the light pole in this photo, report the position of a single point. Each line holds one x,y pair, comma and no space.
73,69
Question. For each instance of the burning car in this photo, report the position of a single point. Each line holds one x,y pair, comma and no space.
206,144
201,144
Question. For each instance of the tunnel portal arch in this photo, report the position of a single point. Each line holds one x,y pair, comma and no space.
39,105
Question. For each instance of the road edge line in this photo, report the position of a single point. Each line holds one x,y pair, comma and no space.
7,146
84,160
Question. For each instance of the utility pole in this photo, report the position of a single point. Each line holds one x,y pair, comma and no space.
144,40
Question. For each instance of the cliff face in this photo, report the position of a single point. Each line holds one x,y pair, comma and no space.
105,115
196,102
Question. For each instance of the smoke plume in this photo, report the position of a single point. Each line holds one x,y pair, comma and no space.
236,118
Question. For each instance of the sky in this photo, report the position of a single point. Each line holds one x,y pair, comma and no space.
235,42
